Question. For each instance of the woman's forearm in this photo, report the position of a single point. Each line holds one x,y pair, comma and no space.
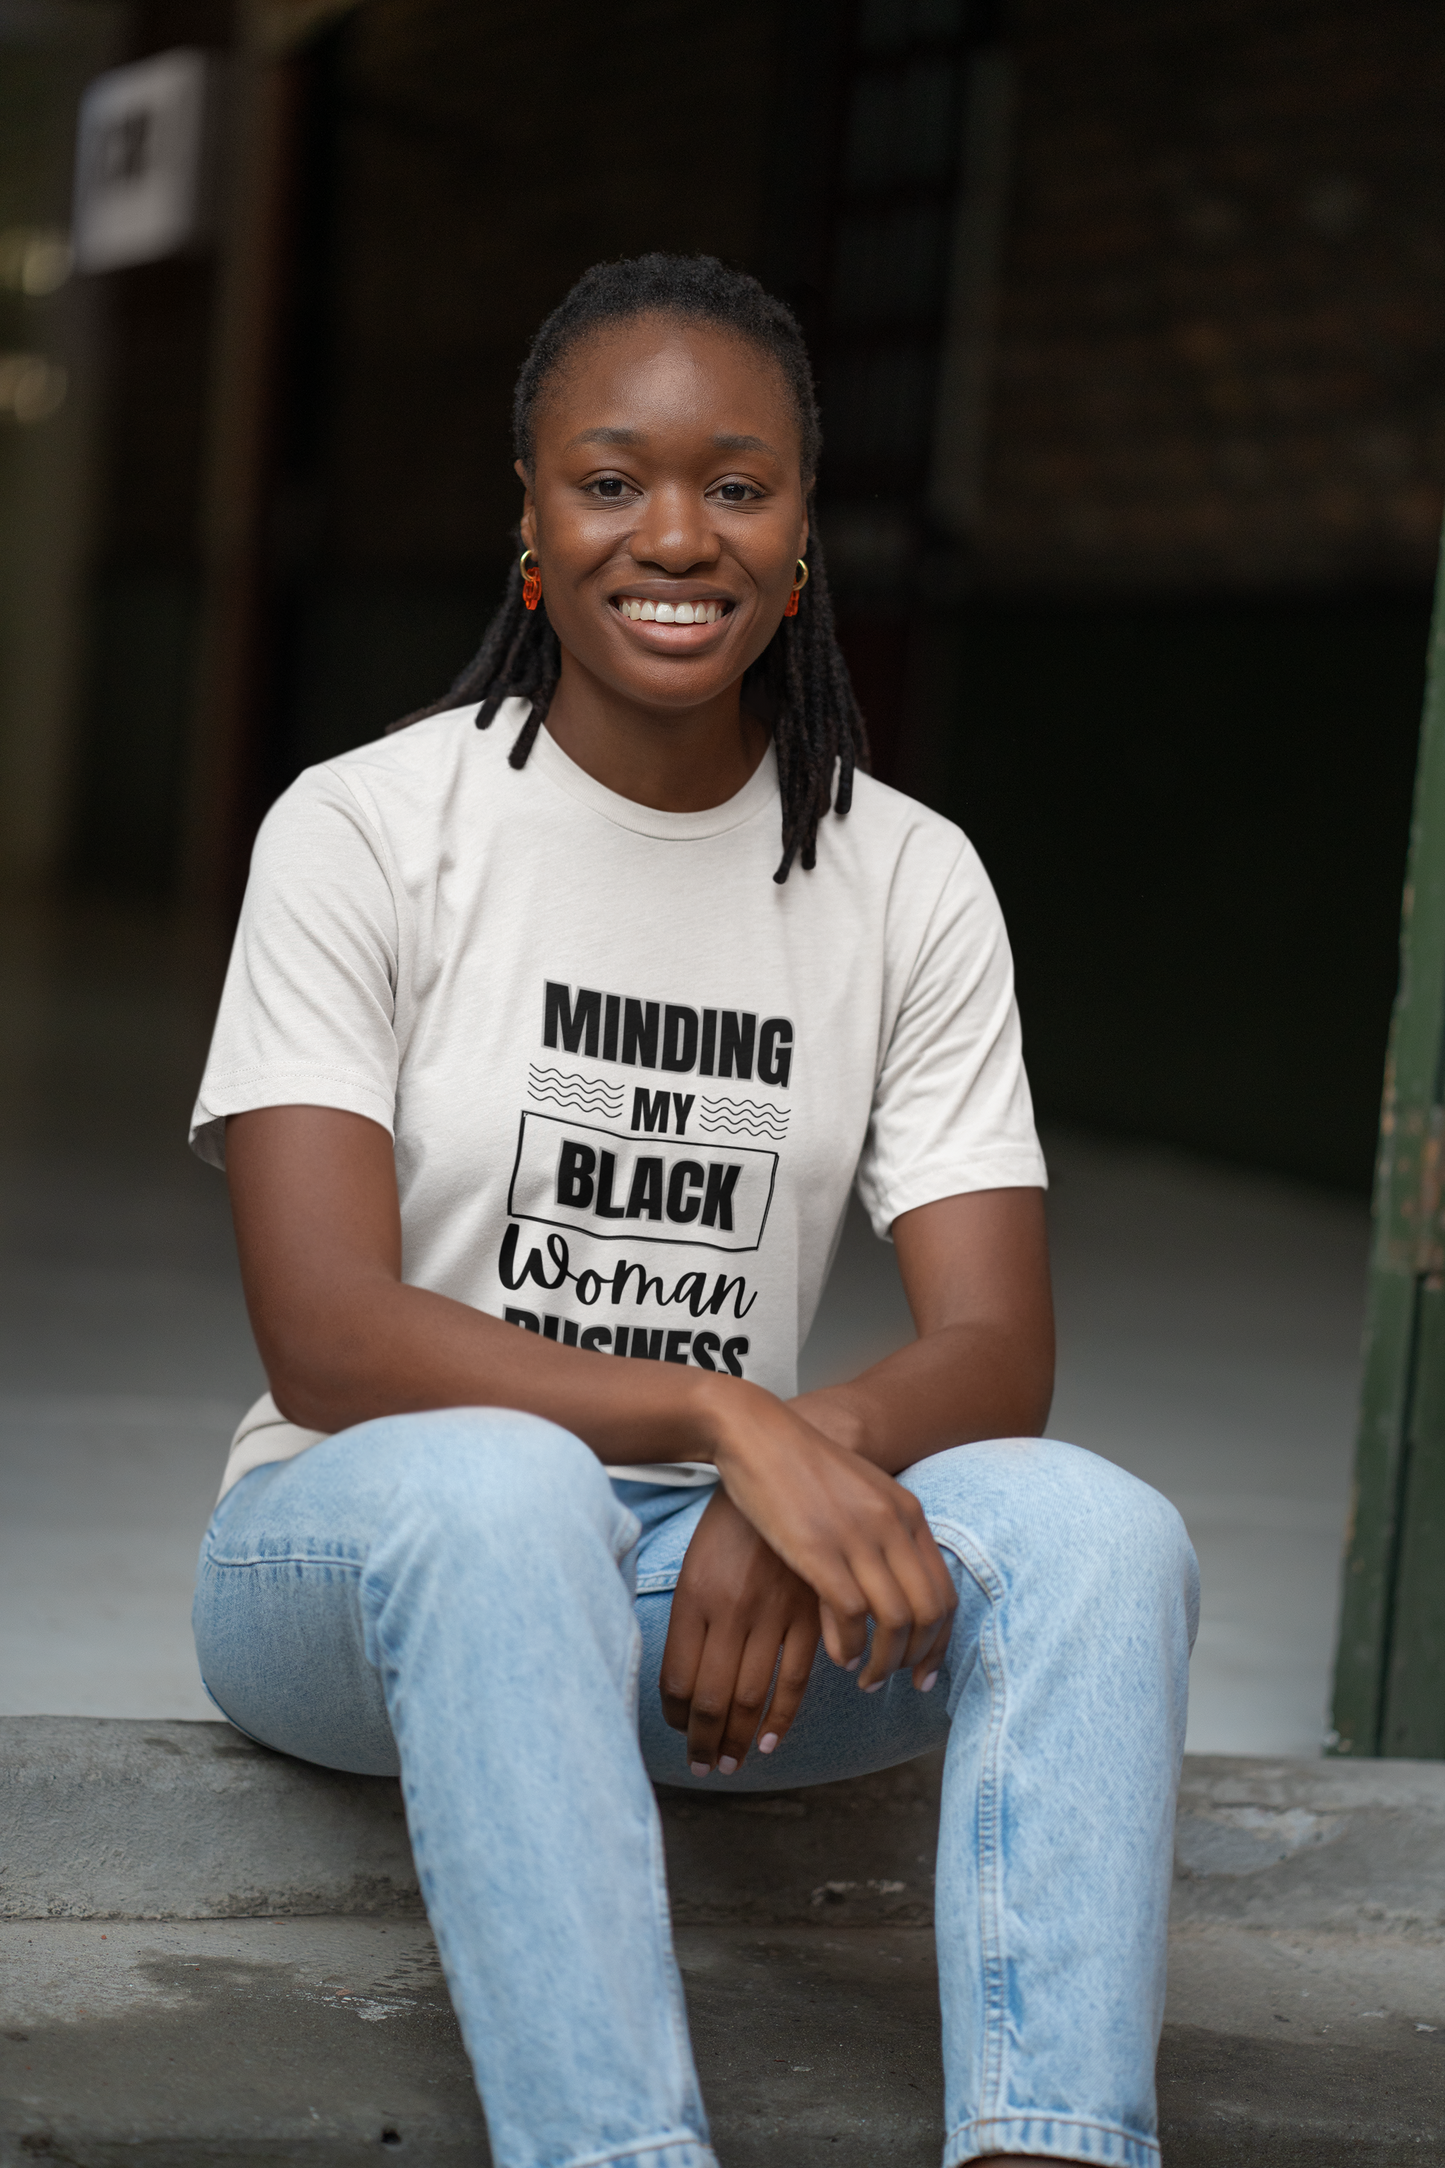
976,1272
343,1338
378,1347
384,1348
951,1387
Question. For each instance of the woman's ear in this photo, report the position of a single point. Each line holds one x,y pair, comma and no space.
529,514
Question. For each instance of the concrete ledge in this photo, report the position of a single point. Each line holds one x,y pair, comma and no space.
103,1818
109,1819
1340,1845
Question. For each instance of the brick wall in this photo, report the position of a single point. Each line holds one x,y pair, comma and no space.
1220,358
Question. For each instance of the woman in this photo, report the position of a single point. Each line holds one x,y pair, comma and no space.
539,1049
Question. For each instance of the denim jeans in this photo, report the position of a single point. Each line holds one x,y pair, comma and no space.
464,1597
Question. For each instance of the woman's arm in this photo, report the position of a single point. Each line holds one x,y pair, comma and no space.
976,1272
343,1339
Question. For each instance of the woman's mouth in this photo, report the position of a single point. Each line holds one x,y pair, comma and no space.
670,613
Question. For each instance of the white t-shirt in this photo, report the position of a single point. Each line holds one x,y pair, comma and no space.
630,1079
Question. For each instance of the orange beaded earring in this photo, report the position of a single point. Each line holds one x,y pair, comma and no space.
790,607
532,581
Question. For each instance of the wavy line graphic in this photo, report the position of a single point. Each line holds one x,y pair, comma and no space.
764,1107
569,1088
740,1114
570,1091
575,1076
577,1091
739,1125
578,1106
589,1107
739,1110
573,1099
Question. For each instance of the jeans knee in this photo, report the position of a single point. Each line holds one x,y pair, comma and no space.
1171,1554
1131,1545
497,1477
1062,1510
1126,1522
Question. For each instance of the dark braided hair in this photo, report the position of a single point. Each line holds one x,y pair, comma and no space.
801,679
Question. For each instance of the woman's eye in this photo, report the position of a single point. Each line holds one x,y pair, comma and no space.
610,487
735,492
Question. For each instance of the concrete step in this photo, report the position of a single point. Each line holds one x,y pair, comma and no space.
212,1955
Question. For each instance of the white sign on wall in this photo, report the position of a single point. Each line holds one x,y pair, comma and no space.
144,160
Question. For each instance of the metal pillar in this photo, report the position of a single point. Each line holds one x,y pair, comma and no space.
1390,1665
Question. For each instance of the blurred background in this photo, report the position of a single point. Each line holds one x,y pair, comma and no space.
1129,318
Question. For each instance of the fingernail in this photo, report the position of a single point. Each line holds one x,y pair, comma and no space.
726,1764
873,1689
927,1685
768,1741
699,1768
855,1665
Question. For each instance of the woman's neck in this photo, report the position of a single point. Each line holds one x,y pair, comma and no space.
675,761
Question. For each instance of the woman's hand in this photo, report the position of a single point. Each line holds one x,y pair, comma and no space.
738,1615
857,1538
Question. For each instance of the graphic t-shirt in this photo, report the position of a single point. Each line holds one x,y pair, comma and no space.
630,1079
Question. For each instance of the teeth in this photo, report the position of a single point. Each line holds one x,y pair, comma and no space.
668,613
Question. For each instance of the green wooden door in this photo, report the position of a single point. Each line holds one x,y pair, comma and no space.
1390,1665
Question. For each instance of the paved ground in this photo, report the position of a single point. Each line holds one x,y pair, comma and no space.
1209,1328
279,1997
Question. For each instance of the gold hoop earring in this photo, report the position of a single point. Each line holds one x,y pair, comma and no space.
531,581
790,608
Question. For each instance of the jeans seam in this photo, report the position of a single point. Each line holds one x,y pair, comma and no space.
662,1917
1052,2115
636,2149
282,1558
677,2005
985,2131
224,1712
990,1870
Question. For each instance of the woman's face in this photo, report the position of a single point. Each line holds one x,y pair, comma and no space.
667,478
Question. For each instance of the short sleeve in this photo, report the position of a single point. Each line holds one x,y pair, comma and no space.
308,1012
951,1107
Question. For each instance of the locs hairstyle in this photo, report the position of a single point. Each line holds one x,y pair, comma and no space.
800,680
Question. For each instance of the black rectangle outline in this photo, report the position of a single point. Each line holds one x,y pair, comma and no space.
626,1234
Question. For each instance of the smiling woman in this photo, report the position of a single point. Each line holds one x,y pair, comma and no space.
718,455
459,1538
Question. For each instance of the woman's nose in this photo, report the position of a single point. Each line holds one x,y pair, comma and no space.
675,532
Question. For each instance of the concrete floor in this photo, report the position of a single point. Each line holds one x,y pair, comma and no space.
1209,1336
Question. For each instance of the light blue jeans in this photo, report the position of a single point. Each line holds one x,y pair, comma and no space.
465,1597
